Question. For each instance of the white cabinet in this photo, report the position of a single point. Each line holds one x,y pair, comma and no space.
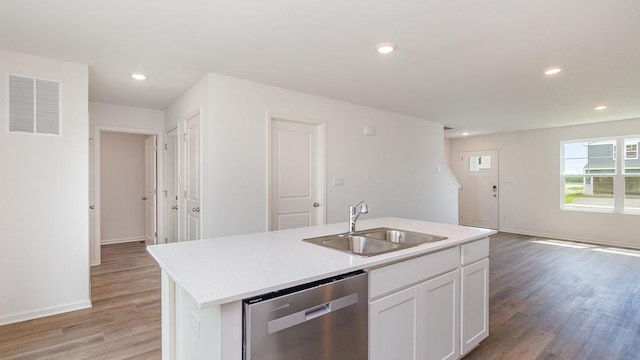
433,307
439,318
474,305
418,323
394,330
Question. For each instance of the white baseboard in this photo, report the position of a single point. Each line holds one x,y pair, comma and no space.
30,315
122,240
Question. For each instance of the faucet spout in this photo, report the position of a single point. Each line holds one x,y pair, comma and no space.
354,213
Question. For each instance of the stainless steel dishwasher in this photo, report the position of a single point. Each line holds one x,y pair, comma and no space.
325,319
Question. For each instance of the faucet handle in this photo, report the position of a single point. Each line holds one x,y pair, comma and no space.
364,209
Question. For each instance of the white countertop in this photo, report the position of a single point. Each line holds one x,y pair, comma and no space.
226,269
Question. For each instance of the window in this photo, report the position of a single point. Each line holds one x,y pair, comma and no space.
630,151
595,178
34,105
480,163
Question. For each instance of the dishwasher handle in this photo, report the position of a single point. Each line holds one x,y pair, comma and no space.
311,313
317,311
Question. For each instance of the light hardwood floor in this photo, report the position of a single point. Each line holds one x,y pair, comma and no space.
124,322
546,302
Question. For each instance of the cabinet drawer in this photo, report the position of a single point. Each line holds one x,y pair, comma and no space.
390,278
474,251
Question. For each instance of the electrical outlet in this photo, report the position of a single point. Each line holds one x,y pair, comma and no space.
195,325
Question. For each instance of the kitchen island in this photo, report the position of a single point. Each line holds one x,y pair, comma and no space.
204,281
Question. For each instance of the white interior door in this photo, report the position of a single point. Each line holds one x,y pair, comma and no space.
297,174
479,193
192,180
172,185
150,189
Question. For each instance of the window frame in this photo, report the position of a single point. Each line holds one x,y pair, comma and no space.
619,176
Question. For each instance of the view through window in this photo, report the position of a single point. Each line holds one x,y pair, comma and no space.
595,177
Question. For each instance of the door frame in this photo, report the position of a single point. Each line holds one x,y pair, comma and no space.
460,190
322,167
95,240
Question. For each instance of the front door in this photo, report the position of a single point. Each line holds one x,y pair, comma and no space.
192,181
172,186
296,175
150,189
479,192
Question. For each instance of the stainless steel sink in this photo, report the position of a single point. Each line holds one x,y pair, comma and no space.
359,245
401,236
374,241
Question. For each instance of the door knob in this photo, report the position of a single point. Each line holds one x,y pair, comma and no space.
144,198
196,209
92,207
175,207
315,204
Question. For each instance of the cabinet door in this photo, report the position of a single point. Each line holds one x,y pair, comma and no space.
440,338
474,314
393,326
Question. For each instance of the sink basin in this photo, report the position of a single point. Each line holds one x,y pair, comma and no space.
359,245
401,236
374,241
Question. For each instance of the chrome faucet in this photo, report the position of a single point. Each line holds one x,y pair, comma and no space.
354,214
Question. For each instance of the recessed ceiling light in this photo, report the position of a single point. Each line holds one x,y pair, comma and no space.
386,48
552,70
138,76
599,107
465,134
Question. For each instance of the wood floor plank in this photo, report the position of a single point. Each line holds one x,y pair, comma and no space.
124,322
558,300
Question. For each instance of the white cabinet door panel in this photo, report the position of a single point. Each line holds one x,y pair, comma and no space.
474,285
440,317
394,329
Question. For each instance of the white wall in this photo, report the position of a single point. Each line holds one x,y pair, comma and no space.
402,159
44,244
195,99
125,116
530,184
122,182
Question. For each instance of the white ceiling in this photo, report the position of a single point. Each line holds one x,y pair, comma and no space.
474,65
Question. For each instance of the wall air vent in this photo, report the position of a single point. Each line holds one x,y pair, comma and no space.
34,105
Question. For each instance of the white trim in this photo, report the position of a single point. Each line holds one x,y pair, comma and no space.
95,258
124,240
454,180
322,186
54,310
